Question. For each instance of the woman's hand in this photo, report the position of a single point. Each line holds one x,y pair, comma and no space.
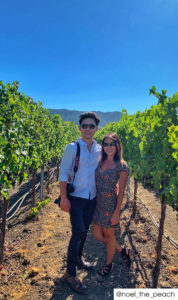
115,218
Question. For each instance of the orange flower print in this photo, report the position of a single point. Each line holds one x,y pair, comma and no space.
108,194
106,214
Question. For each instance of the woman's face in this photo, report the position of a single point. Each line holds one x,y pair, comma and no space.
109,147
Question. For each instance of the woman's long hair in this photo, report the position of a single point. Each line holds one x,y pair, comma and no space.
119,151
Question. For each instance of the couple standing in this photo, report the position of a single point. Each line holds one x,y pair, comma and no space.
100,168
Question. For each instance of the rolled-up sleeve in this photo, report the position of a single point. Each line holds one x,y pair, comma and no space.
66,162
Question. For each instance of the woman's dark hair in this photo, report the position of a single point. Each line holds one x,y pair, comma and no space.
91,115
119,151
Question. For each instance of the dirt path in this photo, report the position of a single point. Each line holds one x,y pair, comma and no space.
36,254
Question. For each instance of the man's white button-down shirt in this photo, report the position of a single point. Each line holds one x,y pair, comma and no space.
84,182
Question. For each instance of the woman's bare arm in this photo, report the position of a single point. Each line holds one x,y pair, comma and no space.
123,176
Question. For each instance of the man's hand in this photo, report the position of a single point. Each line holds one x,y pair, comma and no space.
65,204
116,190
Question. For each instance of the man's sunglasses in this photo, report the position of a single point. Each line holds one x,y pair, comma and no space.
109,144
85,126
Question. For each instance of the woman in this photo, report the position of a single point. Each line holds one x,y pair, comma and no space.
111,169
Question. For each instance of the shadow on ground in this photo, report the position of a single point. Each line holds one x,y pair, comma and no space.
121,276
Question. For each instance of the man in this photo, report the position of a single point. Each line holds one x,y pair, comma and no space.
81,203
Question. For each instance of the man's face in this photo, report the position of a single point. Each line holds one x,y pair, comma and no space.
88,128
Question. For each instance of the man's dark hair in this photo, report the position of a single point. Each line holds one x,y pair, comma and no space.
91,115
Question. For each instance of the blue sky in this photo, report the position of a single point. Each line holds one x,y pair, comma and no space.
90,54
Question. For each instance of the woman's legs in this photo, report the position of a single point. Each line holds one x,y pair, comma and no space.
107,236
110,240
98,233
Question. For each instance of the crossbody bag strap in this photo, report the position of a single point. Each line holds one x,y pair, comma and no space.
77,159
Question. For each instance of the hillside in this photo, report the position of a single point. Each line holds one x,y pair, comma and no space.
73,115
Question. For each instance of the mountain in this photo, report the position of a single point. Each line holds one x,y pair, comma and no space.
73,115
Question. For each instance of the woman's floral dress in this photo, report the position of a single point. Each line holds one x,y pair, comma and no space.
106,197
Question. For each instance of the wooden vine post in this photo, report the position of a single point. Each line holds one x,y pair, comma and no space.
156,269
128,189
41,183
33,187
135,196
161,226
3,229
57,176
0,207
48,178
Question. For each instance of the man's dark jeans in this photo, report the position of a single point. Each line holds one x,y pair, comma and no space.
81,213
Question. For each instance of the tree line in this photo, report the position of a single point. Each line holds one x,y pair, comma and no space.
30,138
150,143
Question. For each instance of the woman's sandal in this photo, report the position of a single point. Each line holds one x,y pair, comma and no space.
127,256
106,269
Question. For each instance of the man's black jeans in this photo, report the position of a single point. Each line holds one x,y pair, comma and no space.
81,213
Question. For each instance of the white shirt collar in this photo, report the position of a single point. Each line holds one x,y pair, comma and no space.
83,143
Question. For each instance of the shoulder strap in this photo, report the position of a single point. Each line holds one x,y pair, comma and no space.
77,158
